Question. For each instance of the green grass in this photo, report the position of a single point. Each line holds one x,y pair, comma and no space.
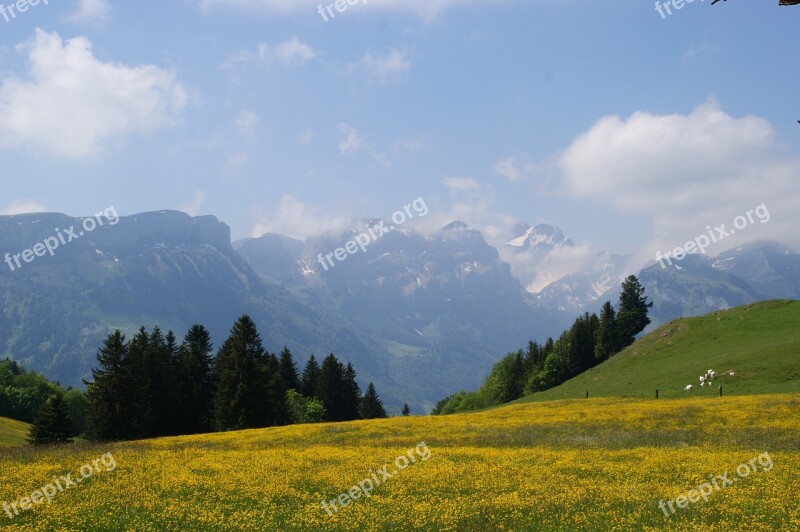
760,342
13,433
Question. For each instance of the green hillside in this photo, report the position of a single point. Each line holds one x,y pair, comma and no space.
12,433
760,342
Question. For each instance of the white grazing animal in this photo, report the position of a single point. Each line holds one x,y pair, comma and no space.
732,374
702,380
713,374
688,388
702,384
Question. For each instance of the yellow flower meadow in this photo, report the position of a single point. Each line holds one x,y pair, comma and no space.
598,464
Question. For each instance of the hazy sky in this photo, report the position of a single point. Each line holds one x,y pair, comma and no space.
631,132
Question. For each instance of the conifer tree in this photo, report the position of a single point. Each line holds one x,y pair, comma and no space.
371,405
607,337
53,424
406,411
331,388
533,358
161,371
272,398
352,394
196,381
137,387
549,345
288,370
239,393
107,409
632,316
310,378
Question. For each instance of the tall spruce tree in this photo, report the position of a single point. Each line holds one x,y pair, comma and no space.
352,395
582,340
406,410
161,366
53,424
331,388
310,378
607,337
239,396
632,316
137,387
196,381
533,358
548,348
371,405
288,370
273,392
288,380
108,411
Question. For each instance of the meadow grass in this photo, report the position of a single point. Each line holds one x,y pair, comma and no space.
12,432
597,464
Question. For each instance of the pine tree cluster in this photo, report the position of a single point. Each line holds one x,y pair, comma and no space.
590,341
150,386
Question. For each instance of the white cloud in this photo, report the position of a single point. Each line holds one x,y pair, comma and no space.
515,167
381,67
192,207
351,142
468,202
70,101
24,206
291,53
235,162
413,145
466,184
537,272
306,136
298,220
687,172
90,12
423,8
246,123
696,51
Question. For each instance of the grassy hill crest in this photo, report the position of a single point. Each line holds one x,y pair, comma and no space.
760,342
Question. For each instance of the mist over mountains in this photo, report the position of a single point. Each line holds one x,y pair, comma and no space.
422,316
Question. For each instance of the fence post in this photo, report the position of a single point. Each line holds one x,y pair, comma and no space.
656,393
587,394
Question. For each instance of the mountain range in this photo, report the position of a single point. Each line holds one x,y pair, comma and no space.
421,316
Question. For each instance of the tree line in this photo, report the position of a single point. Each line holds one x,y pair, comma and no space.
152,386
590,341
24,393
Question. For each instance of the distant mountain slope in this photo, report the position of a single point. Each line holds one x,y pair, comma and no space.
694,286
586,291
163,268
421,316
418,316
760,342
699,284
540,239
592,281
275,257
769,267
445,306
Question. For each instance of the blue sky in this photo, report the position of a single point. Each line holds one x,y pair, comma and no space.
631,132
